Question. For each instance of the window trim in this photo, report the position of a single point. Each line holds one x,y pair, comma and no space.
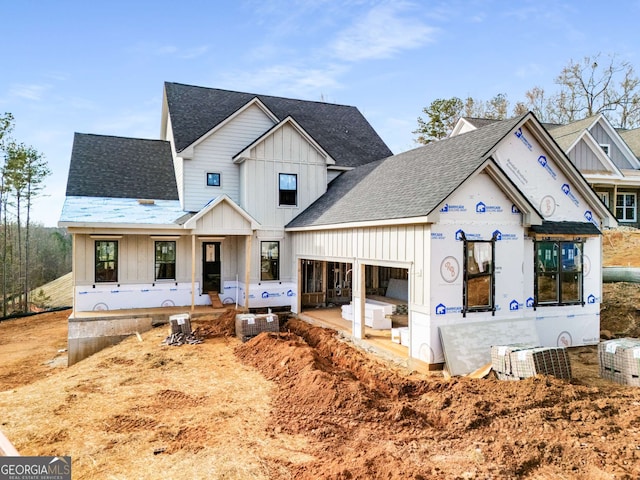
559,271
624,208
467,276
156,263
606,148
213,175
282,191
270,259
96,261
604,197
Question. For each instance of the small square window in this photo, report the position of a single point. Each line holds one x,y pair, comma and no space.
213,179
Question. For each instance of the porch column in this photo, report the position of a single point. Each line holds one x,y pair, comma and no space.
193,272
359,289
247,270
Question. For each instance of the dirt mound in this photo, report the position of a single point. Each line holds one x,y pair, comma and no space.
621,247
368,421
215,325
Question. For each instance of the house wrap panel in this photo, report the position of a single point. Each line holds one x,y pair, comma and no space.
214,155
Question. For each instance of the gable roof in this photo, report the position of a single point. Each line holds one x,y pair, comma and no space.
340,130
408,185
120,167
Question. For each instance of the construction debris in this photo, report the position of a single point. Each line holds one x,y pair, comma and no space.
181,338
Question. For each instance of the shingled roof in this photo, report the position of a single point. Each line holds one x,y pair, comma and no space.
410,184
119,167
340,130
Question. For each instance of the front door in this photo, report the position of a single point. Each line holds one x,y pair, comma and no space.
211,267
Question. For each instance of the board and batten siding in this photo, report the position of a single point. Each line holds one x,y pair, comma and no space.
214,155
583,157
284,151
386,245
615,153
136,259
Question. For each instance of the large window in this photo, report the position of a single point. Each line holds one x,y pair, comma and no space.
165,260
288,189
558,272
269,260
106,261
478,276
626,207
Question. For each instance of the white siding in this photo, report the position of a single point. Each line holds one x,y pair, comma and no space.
215,155
284,151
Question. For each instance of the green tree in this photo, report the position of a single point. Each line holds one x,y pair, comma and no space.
442,115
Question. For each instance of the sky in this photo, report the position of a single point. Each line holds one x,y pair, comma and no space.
99,67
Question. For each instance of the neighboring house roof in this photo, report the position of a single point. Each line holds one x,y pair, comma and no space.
632,139
119,167
340,130
410,184
566,135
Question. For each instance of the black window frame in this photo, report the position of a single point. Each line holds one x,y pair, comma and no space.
102,272
214,175
169,267
469,275
269,264
550,267
287,197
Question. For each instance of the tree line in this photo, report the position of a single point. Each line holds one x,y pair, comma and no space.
30,255
596,84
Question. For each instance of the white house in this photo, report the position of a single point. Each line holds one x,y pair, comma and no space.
280,202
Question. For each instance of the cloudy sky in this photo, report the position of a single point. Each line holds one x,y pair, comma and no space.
98,67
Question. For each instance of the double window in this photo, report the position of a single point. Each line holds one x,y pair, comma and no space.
269,261
626,207
558,279
106,261
288,189
165,267
479,276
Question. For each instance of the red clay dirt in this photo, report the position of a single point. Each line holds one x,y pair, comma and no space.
334,411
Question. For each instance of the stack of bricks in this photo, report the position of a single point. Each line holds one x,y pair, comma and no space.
248,325
520,361
620,361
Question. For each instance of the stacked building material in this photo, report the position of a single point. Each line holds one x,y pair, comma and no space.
248,325
519,361
619,361
501,359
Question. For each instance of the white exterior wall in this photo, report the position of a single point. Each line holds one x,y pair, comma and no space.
214,154
284,151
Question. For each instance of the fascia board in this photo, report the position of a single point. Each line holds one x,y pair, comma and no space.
619,141
594,146
431,218
192,222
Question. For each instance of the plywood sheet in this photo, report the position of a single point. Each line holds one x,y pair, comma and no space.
467,346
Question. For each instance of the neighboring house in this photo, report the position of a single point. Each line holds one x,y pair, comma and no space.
280,202
605,157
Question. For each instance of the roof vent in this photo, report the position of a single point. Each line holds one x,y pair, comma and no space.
143,201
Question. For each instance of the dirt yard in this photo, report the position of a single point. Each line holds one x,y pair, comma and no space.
306,405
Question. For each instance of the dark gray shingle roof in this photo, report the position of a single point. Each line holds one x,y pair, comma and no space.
119,167
566,228
406,185
339,129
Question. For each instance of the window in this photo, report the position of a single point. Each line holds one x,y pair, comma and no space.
213,179
626,207
288,186
558,272
165,260
269,260
604,196
605,147
478,289
106,261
